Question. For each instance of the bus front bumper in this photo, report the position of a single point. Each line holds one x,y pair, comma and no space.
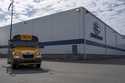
27,61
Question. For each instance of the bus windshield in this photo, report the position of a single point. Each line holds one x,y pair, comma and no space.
25,43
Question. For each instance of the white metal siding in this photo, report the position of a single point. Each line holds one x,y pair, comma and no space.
70,25
89,21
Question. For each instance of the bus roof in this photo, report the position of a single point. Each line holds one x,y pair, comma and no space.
25,37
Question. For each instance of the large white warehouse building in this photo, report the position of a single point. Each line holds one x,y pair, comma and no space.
73,33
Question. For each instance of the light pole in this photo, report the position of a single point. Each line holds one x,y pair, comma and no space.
11,25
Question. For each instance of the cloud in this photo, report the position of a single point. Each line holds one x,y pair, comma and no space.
110,11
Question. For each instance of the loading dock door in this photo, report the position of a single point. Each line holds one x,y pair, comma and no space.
74,49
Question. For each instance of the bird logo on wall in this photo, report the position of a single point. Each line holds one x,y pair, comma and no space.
96,31
96,28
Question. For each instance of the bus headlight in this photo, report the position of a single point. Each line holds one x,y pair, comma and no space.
38,55
16,57
13,53
16,53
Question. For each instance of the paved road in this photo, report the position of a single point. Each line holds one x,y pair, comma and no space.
60,72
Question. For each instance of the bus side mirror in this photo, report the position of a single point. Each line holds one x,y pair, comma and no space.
11,46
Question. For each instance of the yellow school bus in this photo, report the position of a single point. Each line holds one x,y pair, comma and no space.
24,50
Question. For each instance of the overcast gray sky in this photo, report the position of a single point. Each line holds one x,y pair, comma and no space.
111,12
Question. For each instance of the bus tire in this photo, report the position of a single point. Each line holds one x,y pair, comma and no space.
14,66
38,65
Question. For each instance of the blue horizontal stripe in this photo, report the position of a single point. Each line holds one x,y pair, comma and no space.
62,42
78,41
4,46
73,41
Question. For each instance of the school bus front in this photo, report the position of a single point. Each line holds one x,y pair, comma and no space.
25,51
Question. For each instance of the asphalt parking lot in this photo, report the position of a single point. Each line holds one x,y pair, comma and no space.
102,71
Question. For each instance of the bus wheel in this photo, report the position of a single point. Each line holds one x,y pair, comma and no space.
38,65
14,66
